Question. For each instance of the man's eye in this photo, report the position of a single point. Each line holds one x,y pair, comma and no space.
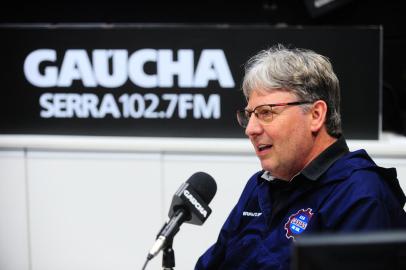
265,113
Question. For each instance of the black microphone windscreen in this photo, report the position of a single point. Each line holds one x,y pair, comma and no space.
204,185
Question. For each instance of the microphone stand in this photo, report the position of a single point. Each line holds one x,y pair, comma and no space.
168,256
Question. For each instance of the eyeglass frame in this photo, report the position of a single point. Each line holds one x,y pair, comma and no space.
250,112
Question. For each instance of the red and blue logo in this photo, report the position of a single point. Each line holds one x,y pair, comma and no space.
298,222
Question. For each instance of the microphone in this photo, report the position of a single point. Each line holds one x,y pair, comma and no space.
190,205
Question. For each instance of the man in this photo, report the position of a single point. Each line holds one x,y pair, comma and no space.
310,182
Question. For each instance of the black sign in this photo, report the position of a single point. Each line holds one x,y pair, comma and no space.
165,81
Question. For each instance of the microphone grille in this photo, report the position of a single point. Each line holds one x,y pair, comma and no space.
204,185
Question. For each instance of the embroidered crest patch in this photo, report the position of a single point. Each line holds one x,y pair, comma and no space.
297,222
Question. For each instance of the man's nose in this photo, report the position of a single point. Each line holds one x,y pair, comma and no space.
254,127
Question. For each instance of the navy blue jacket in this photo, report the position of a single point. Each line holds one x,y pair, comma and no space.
350,194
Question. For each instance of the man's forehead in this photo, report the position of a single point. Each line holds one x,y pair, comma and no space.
272,92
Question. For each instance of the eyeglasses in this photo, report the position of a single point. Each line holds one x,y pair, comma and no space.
264,113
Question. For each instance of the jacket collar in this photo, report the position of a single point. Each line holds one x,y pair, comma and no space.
328,157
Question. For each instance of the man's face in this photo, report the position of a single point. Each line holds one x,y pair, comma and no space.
284,145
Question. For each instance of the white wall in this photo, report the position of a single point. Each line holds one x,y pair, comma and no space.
88,203
14,238
92,210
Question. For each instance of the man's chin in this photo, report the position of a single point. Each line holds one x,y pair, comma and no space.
266,166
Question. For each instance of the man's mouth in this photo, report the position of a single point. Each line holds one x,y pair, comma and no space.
263,147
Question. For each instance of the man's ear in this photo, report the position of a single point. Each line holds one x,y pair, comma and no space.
318,115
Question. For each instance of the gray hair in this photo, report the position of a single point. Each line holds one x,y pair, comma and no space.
303,72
